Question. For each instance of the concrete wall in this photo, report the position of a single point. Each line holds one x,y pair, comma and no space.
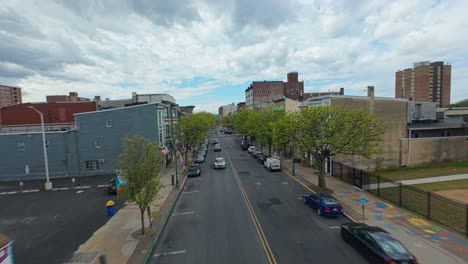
426,151
393,114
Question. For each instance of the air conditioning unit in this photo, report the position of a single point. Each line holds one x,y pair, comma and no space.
101,161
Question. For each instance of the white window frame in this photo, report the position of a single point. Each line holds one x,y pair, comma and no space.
109,123
21,146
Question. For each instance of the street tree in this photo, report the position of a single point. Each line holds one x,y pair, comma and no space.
327,131
140,164
264,125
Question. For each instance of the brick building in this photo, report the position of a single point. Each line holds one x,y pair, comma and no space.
425,82
260,94
71,97
10,95
57,116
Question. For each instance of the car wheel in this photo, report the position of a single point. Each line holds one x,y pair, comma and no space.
319,212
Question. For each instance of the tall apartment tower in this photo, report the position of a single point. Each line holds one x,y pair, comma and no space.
425,82
10,95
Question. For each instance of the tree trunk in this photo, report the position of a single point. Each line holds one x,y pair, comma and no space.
320,160
148,210
186,156
142,215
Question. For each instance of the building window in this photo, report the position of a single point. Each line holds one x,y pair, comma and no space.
97,144
259,91
291,92
92,165
108,123
297,91
21,146
268,91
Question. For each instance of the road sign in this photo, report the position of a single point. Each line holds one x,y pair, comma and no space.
363,200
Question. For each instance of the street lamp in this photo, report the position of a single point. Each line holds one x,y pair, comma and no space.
48,184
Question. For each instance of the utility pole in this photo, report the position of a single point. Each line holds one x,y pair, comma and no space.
174,145
292,160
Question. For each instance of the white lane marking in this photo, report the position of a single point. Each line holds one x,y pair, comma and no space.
300,198
79,191
285,182
334,227
30,191
191,192
186,213
60,189
258,183
82,187
169,253
12,192
102,185
2,193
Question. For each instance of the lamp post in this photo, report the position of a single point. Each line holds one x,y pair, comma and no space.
48,184
293,172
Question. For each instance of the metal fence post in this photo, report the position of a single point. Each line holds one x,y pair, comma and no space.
378,186
429,205
399,198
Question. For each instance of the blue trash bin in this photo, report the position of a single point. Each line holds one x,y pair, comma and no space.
110,208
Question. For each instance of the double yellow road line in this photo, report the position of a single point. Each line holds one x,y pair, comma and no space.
261,234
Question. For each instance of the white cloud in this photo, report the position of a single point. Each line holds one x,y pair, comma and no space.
90,46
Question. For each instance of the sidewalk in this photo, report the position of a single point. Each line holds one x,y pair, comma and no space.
429,242
120,240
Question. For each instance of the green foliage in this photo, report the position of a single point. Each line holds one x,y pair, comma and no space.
140,163
227,121
463,103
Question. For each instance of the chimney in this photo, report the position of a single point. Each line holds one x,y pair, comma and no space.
370,94
293,77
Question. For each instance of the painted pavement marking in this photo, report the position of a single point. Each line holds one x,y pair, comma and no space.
185,213
191,191
169,253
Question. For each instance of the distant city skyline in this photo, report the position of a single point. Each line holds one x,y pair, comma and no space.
206,53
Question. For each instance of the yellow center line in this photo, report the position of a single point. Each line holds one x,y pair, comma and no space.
258,227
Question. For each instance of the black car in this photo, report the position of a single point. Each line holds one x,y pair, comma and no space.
195,170
261,158
376,244
244,145
217,148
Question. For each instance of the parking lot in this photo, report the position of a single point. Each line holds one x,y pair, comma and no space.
48,226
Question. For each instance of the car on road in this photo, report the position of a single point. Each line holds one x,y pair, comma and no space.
376,244
112,187
202,152
244,145
195,170
215,141
255,153
261,158
219,163
324,204
272,164
217,148
227,131
251,149
200,158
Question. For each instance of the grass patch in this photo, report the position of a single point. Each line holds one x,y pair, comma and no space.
446,185
406,173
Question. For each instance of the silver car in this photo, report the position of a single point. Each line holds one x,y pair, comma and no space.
219,163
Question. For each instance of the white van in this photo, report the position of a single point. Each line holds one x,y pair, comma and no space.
272,164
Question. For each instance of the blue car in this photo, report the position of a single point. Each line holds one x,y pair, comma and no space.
324,204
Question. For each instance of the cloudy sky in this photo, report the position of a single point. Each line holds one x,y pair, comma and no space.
206,52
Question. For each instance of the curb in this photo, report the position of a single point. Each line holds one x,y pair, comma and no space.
164,223
307,188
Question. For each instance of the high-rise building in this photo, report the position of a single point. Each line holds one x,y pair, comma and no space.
10,95
425,82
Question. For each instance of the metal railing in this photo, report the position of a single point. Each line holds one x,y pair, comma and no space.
445,211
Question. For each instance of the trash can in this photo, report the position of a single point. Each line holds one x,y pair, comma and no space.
110,208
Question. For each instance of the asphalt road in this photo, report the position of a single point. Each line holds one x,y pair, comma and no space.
295,232
211,222
48,226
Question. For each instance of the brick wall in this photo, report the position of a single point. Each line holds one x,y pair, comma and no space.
425,151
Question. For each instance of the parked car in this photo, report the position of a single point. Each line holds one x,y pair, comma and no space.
111,187
217,148
244,145
219,163
324,204
195,170
227,131
251,149
261,158
203,152
376,244
255,153
272,164
200,158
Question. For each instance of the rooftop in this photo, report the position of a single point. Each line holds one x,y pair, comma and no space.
450,122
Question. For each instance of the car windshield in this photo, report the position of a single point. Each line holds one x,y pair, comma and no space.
329,201
390,245
219,160
194,167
